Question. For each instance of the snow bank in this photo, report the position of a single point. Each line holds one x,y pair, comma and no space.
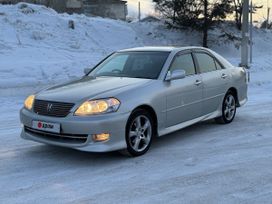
38,47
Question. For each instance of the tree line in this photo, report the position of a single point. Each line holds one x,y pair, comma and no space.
201,15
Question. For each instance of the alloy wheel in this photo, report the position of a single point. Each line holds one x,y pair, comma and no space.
229,107
140,133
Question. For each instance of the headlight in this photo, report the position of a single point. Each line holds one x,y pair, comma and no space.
101,106
29,102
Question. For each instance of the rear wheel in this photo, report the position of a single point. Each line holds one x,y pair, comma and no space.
228,109
139,133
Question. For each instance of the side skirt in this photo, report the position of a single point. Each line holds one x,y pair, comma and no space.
188,123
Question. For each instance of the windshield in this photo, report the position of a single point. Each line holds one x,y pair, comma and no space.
132,64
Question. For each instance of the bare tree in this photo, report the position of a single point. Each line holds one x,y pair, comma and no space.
238,12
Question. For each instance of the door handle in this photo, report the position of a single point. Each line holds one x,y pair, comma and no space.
198,82
224,76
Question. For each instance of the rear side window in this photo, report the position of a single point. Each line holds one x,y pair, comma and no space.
206,62
185,62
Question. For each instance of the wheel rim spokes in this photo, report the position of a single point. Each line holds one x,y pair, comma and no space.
136,143
229,107
140,133
132,133
138,122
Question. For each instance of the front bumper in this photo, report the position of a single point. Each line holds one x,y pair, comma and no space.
76,126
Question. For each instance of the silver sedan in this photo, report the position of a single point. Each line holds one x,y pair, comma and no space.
134,95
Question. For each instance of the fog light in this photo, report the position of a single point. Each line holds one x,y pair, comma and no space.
101,137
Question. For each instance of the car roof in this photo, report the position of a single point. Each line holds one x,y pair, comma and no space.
161,49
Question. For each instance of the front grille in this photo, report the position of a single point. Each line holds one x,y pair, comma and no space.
64,138
50,108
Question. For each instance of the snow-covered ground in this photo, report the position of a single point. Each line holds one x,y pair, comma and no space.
205,163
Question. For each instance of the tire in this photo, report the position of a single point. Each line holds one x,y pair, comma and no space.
140,131
228,109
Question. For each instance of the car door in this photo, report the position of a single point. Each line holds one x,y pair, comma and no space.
184,96
215,81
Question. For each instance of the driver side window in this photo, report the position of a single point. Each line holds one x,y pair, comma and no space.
116,65
185,62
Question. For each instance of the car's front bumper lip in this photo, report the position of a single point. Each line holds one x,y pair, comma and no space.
114,124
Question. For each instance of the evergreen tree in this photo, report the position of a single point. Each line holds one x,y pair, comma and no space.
199,14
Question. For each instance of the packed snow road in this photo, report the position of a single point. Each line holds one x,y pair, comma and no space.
205,163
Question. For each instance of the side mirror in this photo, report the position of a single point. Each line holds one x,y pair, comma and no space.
87,70
176,74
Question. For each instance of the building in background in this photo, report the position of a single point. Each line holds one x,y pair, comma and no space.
115,9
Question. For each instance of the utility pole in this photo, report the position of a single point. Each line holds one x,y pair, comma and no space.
267,21
139,10
245,35
251,33
205,27
268,13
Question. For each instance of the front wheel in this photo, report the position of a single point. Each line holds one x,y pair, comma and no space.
228,109
139,133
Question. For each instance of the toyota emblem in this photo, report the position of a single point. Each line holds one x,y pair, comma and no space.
49,107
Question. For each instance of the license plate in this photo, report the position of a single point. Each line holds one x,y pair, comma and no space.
45,126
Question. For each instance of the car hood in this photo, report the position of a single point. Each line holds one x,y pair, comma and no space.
89,88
